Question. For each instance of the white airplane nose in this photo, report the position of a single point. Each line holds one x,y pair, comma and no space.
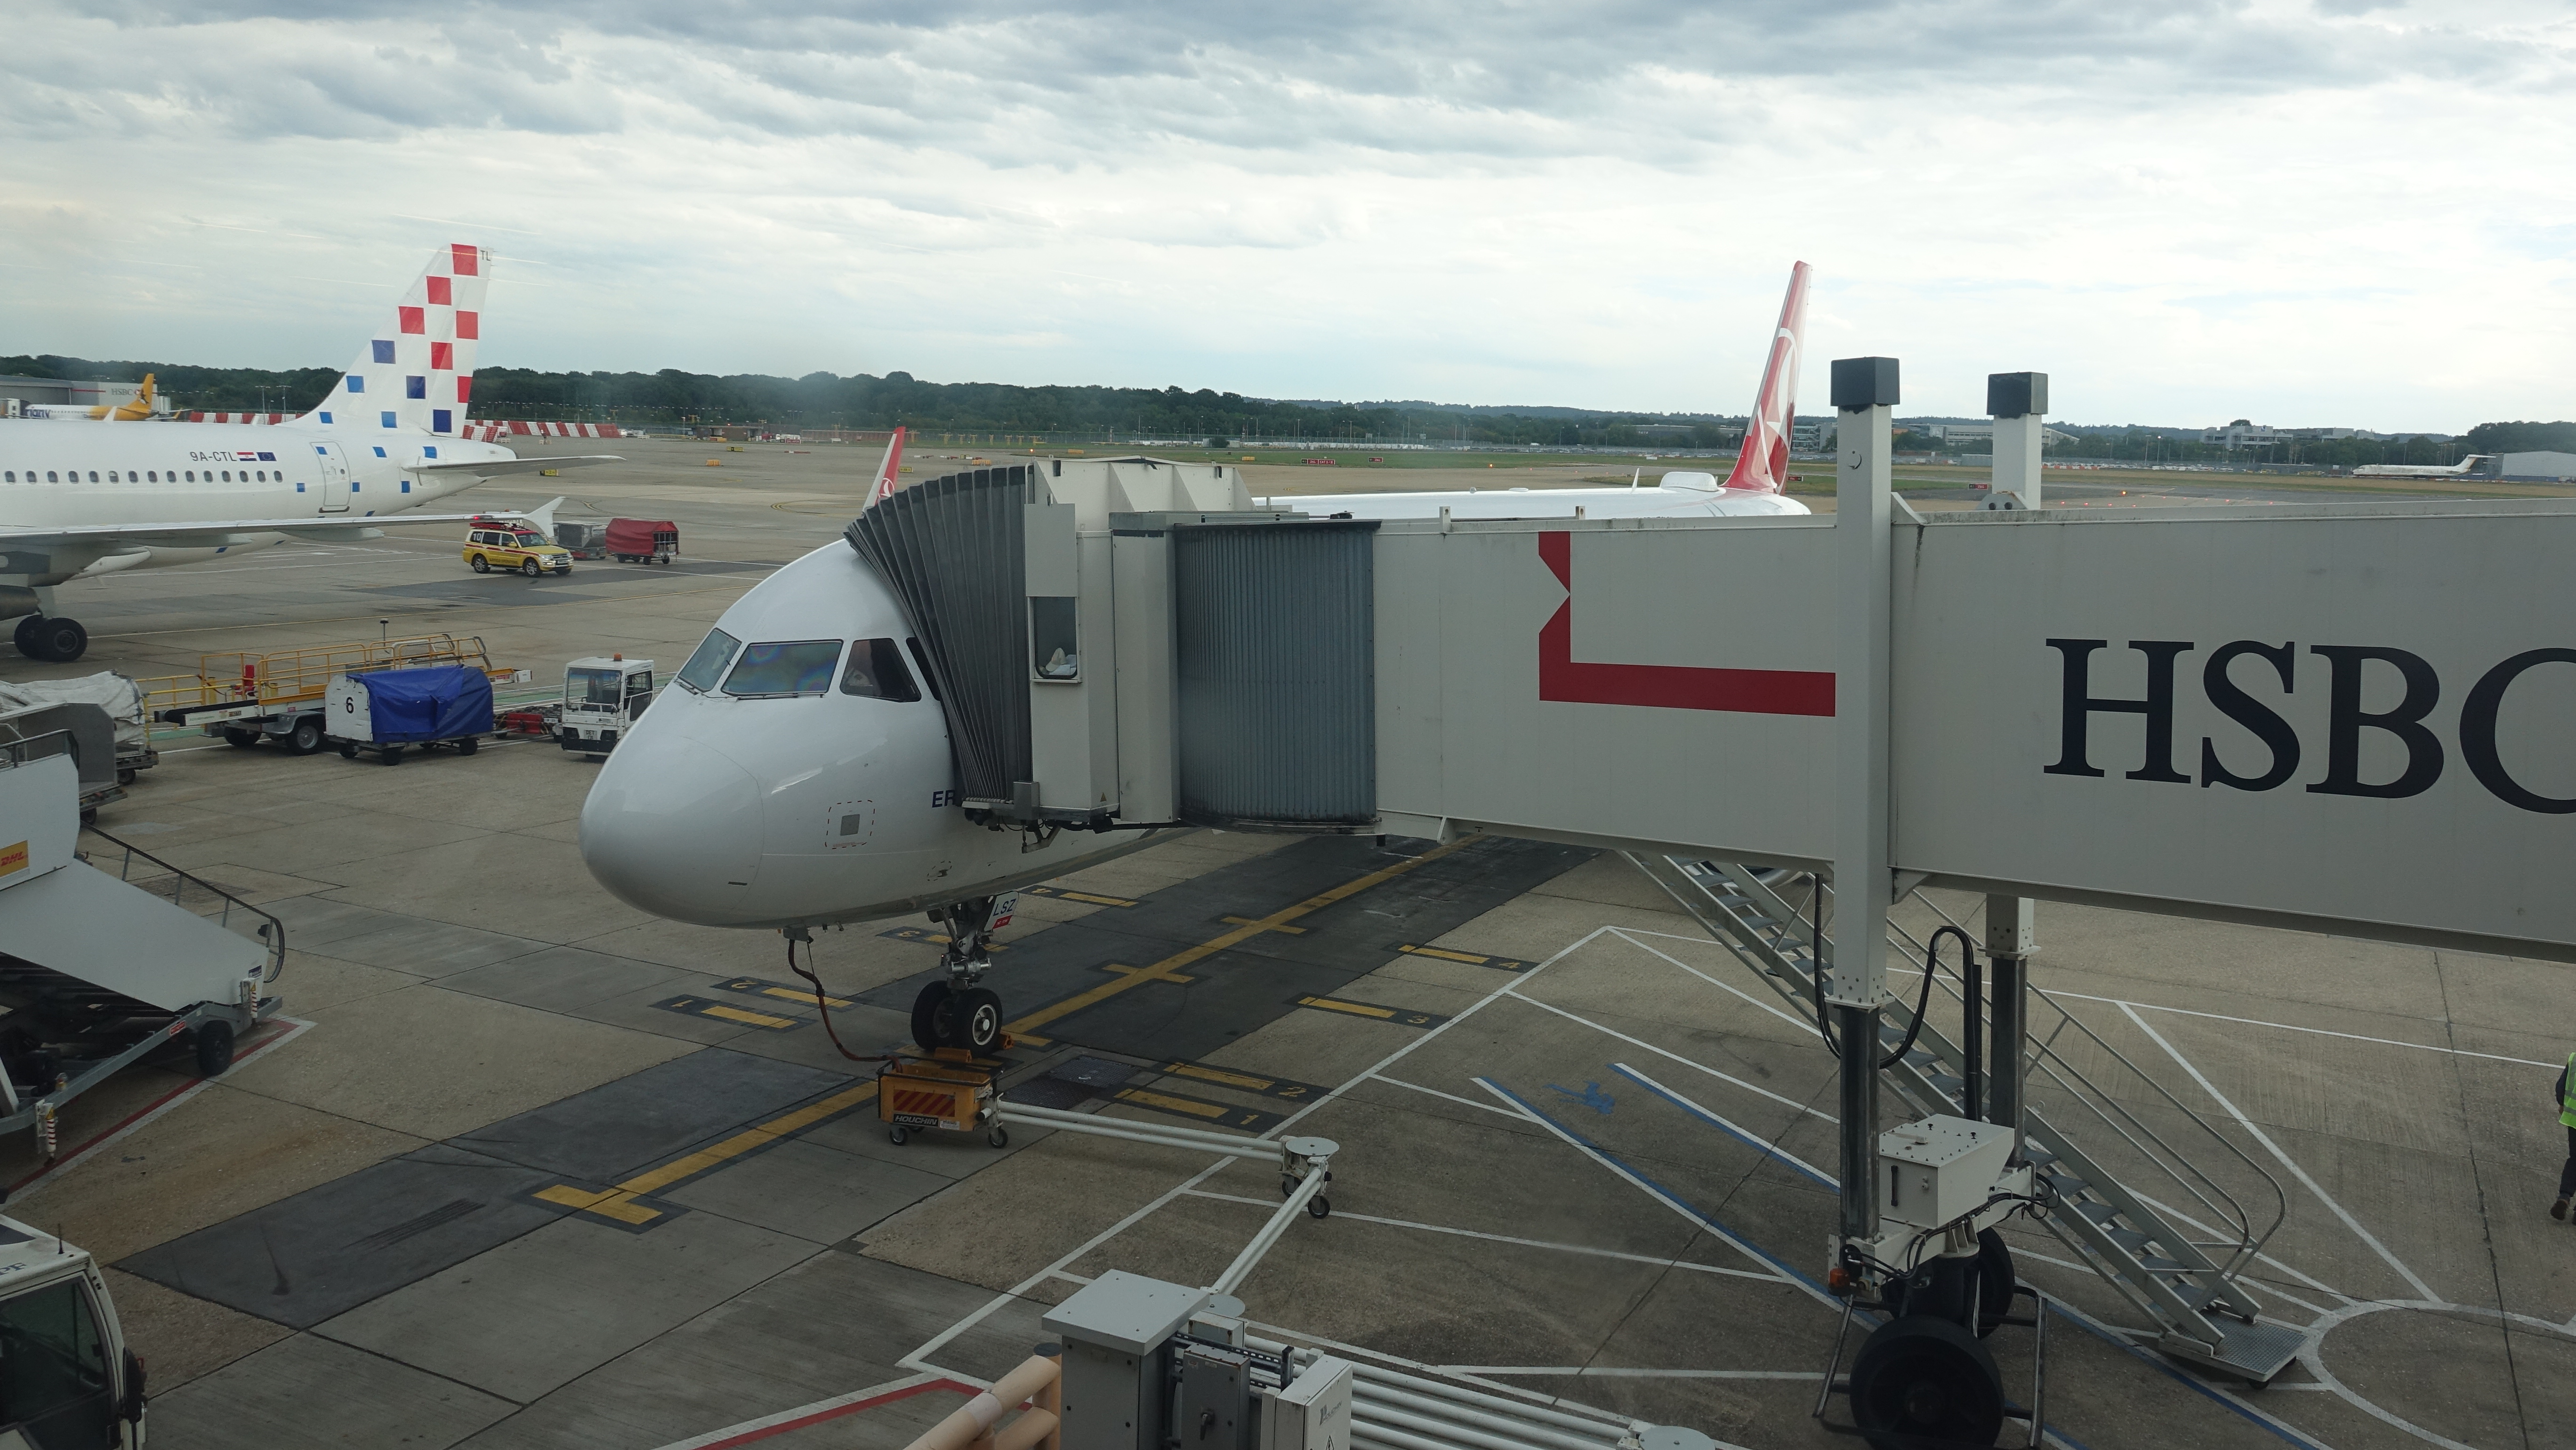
674,827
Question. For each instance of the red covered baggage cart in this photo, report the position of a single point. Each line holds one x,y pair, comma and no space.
643,541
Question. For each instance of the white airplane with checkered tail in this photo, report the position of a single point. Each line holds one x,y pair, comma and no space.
82,498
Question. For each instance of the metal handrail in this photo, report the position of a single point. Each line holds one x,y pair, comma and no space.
273,933
2248,1243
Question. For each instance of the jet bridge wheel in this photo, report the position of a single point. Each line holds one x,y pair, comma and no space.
214,1049
1994,1282
1922,1380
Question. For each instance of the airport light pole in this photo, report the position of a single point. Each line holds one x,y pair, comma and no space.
1865,397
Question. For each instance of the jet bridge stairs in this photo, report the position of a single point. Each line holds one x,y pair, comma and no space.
2184,1275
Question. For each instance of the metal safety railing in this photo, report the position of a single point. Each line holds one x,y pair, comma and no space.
292,676
2191,1286
271,932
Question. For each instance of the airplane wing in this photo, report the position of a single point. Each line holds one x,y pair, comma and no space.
220,533
497,467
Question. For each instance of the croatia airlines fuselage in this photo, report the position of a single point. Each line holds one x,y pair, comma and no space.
60,475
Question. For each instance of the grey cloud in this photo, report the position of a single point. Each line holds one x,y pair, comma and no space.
1121,84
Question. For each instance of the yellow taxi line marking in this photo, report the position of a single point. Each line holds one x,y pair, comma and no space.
1086,896
1247,921
1166,970
1469,958
1356,1009
620,1203
1168,1103
790,994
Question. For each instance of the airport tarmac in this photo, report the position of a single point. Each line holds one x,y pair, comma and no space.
527,1167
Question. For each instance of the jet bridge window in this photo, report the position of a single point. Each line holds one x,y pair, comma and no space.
1055,649
876,671
796,667
707,665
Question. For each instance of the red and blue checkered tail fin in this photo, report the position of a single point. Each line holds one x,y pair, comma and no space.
417,374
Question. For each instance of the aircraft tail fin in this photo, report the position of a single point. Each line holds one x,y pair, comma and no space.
887,471
417,375
1763,465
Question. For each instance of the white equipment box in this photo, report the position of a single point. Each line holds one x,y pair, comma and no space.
1313,1412
1939,1169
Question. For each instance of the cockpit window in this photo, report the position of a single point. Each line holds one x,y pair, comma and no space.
801,668
876,670
707,665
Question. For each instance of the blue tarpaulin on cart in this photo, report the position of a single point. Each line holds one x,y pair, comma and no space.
435,702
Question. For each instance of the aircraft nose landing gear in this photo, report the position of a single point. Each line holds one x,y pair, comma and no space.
960,1012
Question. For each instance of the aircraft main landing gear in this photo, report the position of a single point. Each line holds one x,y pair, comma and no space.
960,1011
51,638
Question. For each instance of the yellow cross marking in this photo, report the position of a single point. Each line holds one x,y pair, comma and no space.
1217,1075
1172,1104
619,1202
738,1014
1469,958
1356,1009
1168,968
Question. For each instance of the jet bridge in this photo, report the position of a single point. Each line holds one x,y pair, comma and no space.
2345,718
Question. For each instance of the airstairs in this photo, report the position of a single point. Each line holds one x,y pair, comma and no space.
2181,1267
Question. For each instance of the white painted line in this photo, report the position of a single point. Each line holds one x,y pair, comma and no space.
918,1359
1801,1023
2187,1221
1481,1003
2311,1031
1754,1139
2421,1288
1663,1196
1451,1097
1470,1233
1753,1088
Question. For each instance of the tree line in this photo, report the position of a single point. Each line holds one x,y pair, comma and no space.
674,398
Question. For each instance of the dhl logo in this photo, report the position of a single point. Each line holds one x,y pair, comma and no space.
13,858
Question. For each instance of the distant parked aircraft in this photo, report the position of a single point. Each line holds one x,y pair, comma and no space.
2461,469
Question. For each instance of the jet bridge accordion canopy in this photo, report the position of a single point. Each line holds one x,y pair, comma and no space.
951,550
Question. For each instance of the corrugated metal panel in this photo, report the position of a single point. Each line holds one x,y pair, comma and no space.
951,550
1277,669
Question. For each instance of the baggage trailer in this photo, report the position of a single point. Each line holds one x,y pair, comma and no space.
435,707
583,538
643,541
100,969
279,696
117,694
88,736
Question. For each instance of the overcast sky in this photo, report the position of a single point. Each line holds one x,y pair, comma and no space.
2305,213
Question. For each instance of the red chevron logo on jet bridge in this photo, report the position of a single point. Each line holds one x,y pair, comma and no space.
1563,678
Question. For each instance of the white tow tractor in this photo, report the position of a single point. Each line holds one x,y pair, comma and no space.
602,698
66,1375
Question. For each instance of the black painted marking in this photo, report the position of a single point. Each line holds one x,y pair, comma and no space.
1373,1012
1200,1110
1467,959
1286,1089
713,1010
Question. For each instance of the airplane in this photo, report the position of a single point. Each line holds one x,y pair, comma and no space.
1753,487
2461,469
797,773
80,502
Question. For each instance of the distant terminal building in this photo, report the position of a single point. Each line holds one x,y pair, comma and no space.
1812,435
1985,433
2244,434
35,397
2537,467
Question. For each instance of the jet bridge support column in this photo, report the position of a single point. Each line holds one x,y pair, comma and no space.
2011,936
2016,401
1864,394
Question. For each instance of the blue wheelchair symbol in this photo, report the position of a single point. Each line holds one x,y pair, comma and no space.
1591,1097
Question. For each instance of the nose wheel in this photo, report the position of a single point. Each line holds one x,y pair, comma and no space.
958,1011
